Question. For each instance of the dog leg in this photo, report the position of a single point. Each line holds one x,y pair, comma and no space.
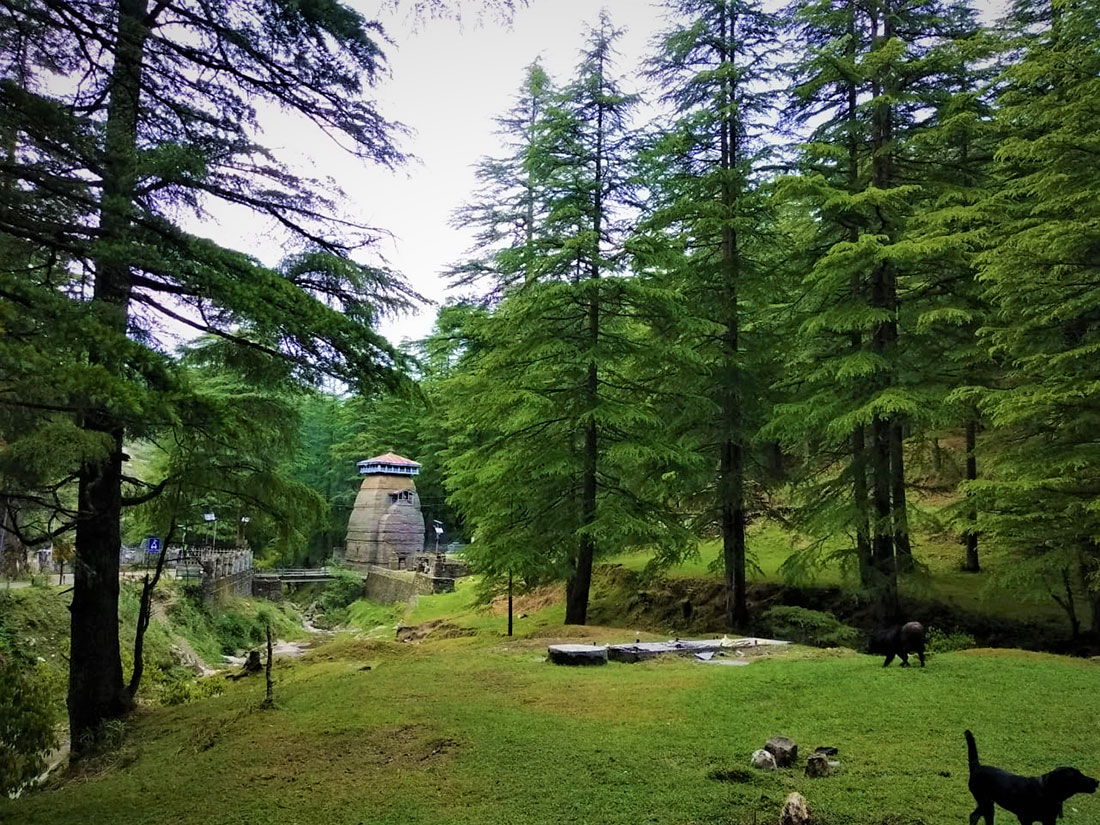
889,658
982,811
920,653
904,659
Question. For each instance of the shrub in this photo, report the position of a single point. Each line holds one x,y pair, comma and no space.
185,691
341,592
333,602
940,641
236,631
27,731
809,627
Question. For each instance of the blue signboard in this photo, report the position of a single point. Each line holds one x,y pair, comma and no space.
152,545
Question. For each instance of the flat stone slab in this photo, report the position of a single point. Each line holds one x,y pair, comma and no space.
638,651
647,650
578,654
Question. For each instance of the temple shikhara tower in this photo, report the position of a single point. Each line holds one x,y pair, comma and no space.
386,527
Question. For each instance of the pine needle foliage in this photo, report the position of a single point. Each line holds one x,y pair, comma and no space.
867,81
1040,267
119,117
708,238
549,426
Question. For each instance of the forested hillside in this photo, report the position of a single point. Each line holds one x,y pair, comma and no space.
853,263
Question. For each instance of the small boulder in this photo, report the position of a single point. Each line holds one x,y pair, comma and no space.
818,765
795,811
783,749
763,760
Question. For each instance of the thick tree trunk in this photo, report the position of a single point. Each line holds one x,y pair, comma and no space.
733,534
861,507
731,481
903,550
883,341
96,689
576,592
970,537
882,547
576,602
858,464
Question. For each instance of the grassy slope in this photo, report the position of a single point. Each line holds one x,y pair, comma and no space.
941,577
35,621
473,731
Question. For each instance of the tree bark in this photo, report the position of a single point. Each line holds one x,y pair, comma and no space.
883,341
509,604
576,592
903,550
96,689
858,462
145,611
861,507
731,470
970,537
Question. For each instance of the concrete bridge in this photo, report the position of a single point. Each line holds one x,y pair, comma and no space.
291,576
380,584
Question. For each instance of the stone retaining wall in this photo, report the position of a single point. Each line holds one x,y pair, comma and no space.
270,589
387,586
227,586
223,573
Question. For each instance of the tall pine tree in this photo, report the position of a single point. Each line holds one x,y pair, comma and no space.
706,235
548,425
134,112
866,82
1041,271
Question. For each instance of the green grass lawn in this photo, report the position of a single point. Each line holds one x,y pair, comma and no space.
472,731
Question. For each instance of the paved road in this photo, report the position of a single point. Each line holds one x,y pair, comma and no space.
52,580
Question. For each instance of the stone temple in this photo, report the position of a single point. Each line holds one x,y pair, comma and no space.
386,527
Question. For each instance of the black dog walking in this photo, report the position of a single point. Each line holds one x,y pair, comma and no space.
899,640
1032,798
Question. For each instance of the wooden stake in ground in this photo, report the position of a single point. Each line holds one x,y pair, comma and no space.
269,701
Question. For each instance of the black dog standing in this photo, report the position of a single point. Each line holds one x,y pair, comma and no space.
1032,798
899,640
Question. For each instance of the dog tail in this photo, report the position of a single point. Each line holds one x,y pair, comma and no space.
971,750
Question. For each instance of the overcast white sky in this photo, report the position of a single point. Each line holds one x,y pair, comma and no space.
448,82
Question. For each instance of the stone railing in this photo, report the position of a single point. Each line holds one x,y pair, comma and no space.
223,572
